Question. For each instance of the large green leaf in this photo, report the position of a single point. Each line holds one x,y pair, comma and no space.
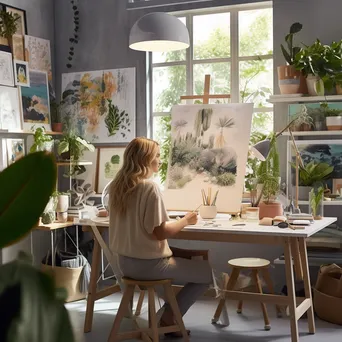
26,187
37,308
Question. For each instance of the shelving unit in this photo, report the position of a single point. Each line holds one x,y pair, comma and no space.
303,99
5,132
66,163
337,202
313,133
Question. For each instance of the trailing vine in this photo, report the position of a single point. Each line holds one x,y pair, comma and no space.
75,37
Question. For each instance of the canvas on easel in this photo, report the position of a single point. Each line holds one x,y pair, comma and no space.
209,148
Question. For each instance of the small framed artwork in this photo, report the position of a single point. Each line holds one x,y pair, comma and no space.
109,162
21,73
10,114
6,69
15,150
18,47
22,22
35,101
337,186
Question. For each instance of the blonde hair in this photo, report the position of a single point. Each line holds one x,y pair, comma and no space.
138,157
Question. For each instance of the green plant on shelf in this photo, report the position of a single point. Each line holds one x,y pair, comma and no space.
41,140
328,112
290,54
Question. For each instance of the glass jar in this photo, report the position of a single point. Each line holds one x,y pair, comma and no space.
252,214
316,204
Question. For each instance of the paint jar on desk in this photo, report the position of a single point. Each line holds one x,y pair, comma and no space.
208,211
252,214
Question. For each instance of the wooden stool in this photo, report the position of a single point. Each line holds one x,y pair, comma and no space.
152,333
256,265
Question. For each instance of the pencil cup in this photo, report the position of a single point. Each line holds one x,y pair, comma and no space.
208,211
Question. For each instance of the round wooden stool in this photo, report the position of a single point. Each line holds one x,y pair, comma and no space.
256,266
153,332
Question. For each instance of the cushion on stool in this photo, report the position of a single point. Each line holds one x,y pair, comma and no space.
249,263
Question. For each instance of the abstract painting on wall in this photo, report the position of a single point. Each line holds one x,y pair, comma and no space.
109,162
35,101
10,116
100,105
38,55
15,150
319,151
6,69
209,148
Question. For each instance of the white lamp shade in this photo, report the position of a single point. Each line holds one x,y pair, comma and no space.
159,32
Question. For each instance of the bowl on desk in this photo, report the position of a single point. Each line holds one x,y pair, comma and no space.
208,211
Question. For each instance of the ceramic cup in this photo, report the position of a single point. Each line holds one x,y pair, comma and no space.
208,211
62,217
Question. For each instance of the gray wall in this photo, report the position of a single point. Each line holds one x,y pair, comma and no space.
40,23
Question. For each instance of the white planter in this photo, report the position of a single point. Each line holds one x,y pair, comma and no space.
334,123
62,217
208,212
62,204
315,85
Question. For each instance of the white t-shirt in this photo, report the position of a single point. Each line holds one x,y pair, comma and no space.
131,234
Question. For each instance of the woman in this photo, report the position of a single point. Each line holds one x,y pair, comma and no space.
139,229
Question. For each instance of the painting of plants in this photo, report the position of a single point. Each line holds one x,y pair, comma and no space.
201,150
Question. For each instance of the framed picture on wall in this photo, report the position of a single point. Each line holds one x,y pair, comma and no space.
109,162
18,47
21,73
22,22
15,150
6,69
10,114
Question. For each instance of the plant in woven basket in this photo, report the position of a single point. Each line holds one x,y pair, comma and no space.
31,307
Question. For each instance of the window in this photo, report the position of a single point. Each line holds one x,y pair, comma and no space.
234,46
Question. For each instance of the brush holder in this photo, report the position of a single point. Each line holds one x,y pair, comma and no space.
208,211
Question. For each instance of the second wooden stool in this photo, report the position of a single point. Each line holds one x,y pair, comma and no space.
256,266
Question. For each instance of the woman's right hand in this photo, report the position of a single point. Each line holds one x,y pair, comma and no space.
191,218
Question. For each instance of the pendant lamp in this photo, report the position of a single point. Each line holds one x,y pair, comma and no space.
159,32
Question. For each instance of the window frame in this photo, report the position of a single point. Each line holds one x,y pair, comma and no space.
189,61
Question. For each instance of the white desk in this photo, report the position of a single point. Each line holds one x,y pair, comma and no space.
295,252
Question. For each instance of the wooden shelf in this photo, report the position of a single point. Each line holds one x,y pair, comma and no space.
68,163
302,99
313,133
4,132
334,202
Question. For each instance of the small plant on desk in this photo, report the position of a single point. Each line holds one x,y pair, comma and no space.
316,202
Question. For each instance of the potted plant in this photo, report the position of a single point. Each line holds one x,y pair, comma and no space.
333,117
8,26
316,203
71,148
41,140
56,120
290,79
312,61
302,120
312,175
269,177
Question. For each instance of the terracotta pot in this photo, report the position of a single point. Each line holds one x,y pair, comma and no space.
57,127
288,79
338,89
271,209
334,123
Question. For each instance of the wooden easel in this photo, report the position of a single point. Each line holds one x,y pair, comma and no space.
206,96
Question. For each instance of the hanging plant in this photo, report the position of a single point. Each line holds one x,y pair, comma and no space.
74,39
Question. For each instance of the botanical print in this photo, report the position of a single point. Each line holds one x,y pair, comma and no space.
35,101
18,47
21,72
110,160
316,113
15,150
21,23
319,151
209,147
10,116
6,69
100,105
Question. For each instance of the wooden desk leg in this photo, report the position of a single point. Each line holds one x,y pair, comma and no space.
307,284
291,292
95,266
296,259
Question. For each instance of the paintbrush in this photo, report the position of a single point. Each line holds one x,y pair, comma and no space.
203,197
215,198
197,208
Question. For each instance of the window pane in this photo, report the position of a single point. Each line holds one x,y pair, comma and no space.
169,83
172,56
211,36
262,122
220,79
255,32
256,82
